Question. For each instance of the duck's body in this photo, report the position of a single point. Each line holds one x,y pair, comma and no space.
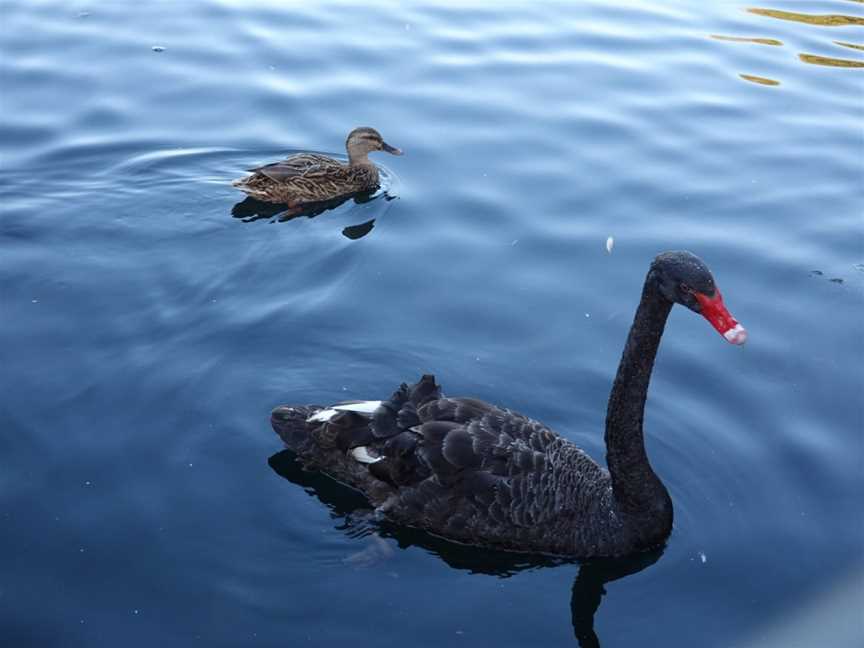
483,475
309,178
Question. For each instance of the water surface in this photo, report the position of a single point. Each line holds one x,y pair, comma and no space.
146,332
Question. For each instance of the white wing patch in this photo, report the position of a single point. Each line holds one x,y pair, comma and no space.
361,454
361,407
323,415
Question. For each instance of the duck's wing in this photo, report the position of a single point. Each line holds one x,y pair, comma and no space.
302,165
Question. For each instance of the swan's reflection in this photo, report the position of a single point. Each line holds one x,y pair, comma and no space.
352,509
250,210
588,589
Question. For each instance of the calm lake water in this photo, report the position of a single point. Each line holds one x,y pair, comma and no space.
146,331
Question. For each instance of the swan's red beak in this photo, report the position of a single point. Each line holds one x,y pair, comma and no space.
721,319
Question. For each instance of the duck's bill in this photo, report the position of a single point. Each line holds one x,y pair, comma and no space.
721,319
391,149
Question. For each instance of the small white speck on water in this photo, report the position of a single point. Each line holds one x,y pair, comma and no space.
703,558
158,48
86,483
34,301
460,632
134,611
81,550
587,314
610,243
190,464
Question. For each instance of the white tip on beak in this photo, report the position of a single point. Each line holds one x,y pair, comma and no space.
736,335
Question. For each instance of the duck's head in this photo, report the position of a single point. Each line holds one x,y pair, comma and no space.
364,140
683,278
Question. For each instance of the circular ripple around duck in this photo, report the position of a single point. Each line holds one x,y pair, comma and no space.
205,174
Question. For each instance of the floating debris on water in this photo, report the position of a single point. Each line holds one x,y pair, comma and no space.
760,80
852,45
830,20
610,243
703,557
158,48
830,61
742,39
836,280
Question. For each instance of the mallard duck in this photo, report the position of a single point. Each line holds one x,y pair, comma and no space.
307,178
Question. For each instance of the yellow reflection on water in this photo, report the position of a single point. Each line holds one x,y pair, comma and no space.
741,39
827,60
831,20
852,45
759,80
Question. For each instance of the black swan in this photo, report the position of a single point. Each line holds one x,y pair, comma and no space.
483,475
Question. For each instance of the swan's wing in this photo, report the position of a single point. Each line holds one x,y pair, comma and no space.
477,473
458,467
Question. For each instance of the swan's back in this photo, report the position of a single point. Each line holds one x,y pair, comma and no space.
460,468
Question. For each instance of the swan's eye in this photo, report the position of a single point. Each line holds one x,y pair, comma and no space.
687,290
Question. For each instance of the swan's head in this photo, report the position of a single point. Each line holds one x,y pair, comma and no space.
362,141
683,278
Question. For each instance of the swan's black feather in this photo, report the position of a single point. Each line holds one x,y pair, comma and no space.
484,475
463,469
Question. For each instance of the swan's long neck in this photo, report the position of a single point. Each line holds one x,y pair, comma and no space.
637,488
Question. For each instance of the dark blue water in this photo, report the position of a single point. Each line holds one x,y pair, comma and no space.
146,332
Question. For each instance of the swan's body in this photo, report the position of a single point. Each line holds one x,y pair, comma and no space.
309,178
479,474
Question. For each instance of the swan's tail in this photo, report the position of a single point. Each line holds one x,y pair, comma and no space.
289,422
346,439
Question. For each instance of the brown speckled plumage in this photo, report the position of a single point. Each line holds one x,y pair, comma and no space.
308,178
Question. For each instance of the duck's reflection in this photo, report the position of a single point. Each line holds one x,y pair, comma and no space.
250,210
352,510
